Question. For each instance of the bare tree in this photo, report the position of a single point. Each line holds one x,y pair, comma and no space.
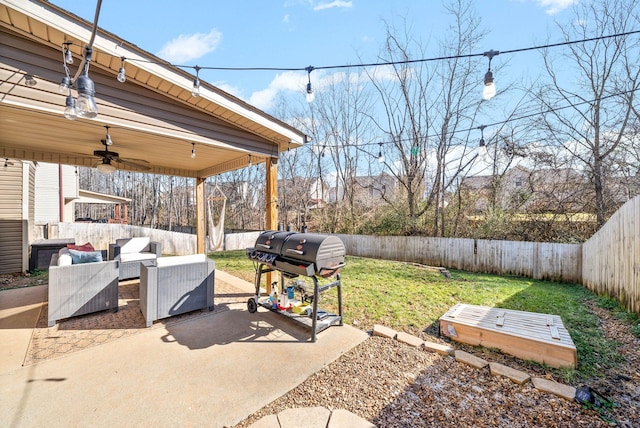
344,132
424,107
590,93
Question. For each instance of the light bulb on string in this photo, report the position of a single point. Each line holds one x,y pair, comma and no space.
482,146
65,84
29,80
122,75
70,111
489,88
193,150
196,84
86,90
68,56
107,139
380,157
310,95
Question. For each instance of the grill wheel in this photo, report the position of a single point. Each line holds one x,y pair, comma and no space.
252,305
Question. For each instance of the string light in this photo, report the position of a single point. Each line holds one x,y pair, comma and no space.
310,95
65,84
193,150
107,139
489,89
86,89
122,75
196,84
70,111
30,81
482,143
482,146
380,157
250,160
68,56
489,86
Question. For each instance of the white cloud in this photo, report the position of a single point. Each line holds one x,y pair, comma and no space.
233,90
285,19
331,5
288,81
187,47
555,6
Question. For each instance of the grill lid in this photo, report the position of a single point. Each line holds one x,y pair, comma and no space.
299,253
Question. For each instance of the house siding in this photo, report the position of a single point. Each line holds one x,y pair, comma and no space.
13,219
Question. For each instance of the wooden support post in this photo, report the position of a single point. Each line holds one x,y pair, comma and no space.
271,210
201,229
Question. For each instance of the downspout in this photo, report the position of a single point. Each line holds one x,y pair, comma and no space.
61,193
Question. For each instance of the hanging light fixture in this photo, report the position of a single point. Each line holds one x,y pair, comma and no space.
70,111
193,150
30,81
105,166
122,75
489,90
65,84
196,84
68,56
86,89
107,139
310,95
482,145
250,160
380,157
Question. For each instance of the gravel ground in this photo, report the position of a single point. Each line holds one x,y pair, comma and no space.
394,385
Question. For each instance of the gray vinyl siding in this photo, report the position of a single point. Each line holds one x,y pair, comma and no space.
11,217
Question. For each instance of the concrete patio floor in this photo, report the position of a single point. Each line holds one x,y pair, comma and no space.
213,369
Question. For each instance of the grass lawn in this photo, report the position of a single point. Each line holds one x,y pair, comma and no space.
411,298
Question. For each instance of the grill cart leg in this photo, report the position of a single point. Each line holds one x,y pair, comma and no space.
340,299
314,321
252,303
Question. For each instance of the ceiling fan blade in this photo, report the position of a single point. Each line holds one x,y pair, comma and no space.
132,164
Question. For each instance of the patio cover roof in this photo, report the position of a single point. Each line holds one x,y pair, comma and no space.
154,120
88,197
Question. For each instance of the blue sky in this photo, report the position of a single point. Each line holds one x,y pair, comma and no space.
299,33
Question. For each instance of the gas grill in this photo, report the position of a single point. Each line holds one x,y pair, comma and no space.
295,254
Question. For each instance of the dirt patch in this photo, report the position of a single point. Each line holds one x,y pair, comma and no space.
7,282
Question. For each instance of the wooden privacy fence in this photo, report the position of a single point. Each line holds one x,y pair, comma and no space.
558,262
608,263
100,235
611,257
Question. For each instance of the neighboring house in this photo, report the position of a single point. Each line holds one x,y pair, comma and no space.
522,190
298,192
31,202
369,191
51,204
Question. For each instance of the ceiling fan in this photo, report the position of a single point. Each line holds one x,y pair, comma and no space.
108,158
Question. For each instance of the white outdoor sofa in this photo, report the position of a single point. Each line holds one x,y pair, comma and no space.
78,289
130,252
175,285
